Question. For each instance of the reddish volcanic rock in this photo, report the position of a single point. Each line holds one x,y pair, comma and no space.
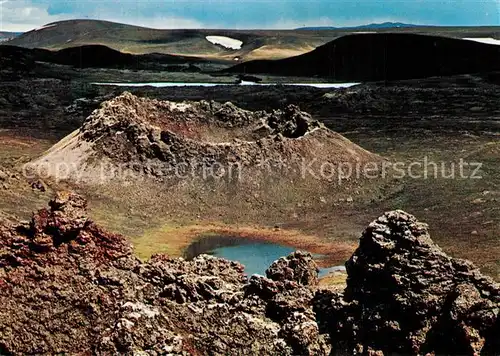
69,287
63,279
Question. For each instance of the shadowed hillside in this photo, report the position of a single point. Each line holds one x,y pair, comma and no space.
65,278
391,56
92,56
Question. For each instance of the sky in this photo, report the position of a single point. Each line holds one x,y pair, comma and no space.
24,15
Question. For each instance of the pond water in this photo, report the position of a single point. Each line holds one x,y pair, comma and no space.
175,84
255,256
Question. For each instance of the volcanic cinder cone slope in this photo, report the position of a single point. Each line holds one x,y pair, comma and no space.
159,139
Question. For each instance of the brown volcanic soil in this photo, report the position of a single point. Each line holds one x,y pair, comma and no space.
134,39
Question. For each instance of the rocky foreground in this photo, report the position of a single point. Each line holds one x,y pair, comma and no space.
68,286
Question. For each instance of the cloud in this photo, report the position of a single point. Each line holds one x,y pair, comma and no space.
23,15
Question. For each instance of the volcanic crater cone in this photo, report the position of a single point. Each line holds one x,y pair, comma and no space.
159,138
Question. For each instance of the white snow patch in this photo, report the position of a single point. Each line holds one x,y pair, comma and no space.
44,27
223,41
487,40
246,82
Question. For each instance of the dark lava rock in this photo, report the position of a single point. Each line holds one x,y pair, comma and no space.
39,186
69,287
298,267
404,295
3,176
88,56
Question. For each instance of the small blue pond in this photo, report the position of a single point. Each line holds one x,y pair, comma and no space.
255,256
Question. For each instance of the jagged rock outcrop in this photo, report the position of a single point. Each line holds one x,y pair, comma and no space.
163,139
404,295
299,267
63,279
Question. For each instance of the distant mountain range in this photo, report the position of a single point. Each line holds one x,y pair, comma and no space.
6,36
256,44
372,26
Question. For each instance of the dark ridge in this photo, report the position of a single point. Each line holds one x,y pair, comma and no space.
105,57
206,244
90,56
388,56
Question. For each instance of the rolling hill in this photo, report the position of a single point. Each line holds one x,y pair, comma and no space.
140,40
256,44
91,56
383,56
